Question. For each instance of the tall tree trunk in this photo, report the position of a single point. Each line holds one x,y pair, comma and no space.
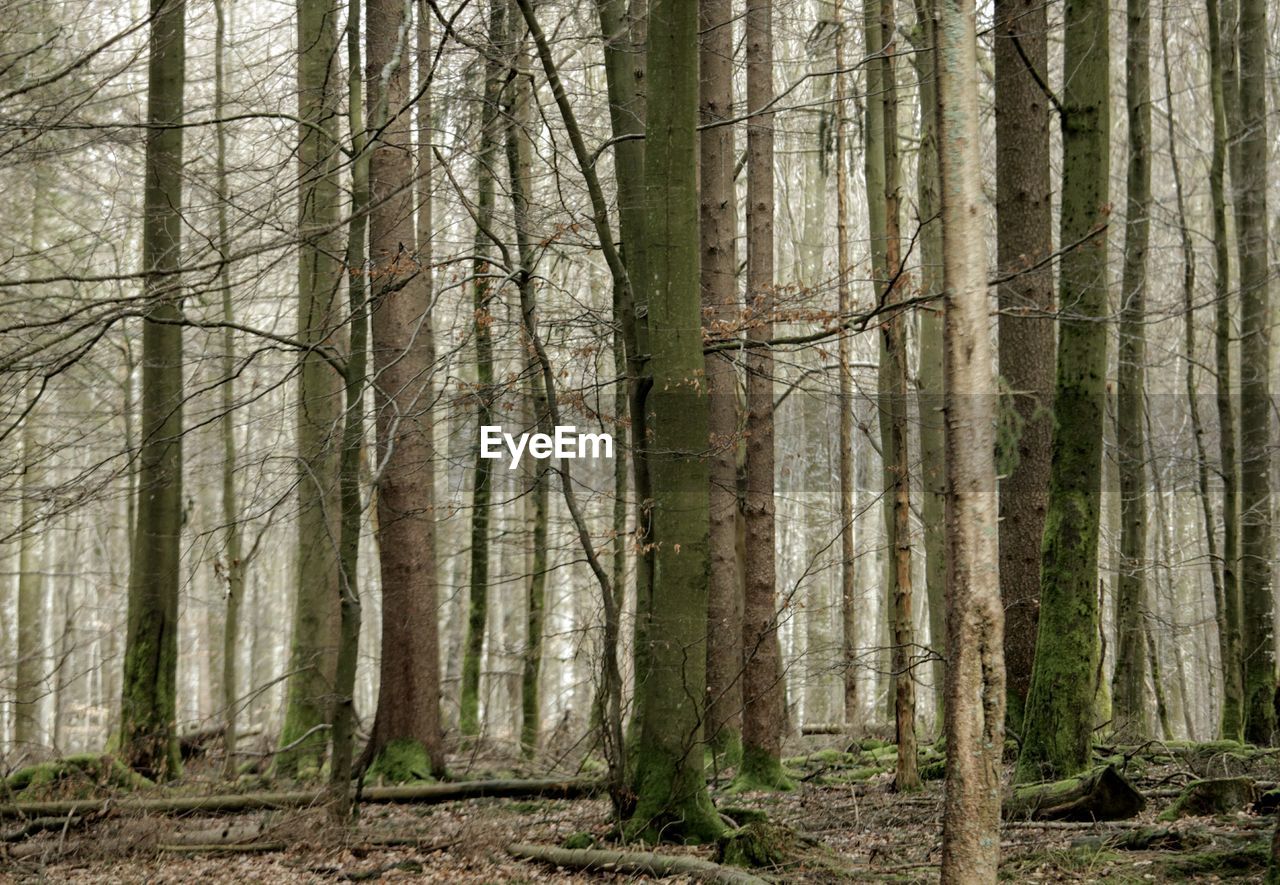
538,473
406,727
930,371
671,795
486,157
1230,619
30,673
764,713
149,740
1027,337
975,618
717,202
350,614
1058,719
1252,242
848,474
313,657
1128,701
233,564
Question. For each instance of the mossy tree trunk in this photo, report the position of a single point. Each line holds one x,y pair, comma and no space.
1231,726
1252,241
671,795
1128,692
1058,719
1027,336
717,202
764,712
408,714
313,657
148,736
975,676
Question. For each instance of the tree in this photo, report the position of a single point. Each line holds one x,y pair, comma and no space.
764,713
975,693
1027,335
1228,607
1058,719
716,201
1129,714
313,656
671,795
148,707
406,737
29,673
1252,240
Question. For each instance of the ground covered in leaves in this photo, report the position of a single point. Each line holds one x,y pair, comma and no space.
857,829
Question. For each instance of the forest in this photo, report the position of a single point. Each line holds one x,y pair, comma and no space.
735,441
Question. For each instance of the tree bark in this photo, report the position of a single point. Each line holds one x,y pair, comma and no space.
975,676
717,202
764,713
1027,337
1058,720
671,794
148,738
1128,701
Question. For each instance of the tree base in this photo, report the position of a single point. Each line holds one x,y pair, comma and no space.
1224,795
760,772
401,761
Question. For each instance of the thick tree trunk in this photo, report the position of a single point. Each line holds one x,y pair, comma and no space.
313,657
764,712
1128,701
407,721
671,795
1255,380
717,202
1027,337
148,740
975,675
1058,720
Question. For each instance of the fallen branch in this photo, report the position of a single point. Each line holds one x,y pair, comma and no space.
634,862
224,848
1101,794
424,794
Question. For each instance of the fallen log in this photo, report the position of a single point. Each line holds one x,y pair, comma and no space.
425,794
1223,795
224,848
634,862
1100,794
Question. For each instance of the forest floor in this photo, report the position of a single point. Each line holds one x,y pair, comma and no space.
862,831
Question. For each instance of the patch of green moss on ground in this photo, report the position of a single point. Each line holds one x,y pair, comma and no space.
81,774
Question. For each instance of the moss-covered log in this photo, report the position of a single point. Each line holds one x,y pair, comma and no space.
1100,794
221,804
1223,795
634,862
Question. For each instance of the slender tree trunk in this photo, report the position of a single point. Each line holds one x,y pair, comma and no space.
406,740
149,741
233,564
1058,720
1252,242
1128,702
930,371
313,657
1229,616
975,618
1027,336
848,471
717,202
29,676
350,614
764,712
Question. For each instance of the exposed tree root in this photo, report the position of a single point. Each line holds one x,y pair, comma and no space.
220,804
634,862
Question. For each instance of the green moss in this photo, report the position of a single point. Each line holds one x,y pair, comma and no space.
1251,859
1225,795
83,773
760,772
725,748
401,761
579,840
672,803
